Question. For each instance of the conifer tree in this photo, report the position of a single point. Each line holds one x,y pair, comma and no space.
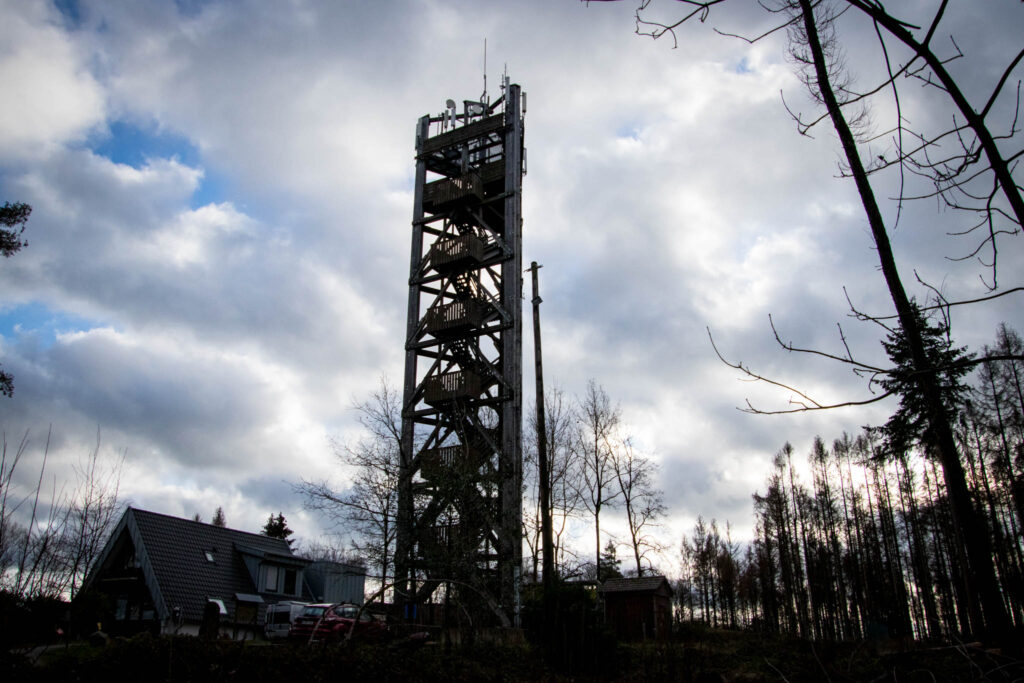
277,527
610,563
13,218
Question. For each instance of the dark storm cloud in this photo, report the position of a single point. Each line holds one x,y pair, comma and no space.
177,401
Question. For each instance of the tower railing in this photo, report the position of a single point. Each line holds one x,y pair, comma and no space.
451,386
443,194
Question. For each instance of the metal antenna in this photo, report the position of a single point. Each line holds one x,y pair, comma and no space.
483,98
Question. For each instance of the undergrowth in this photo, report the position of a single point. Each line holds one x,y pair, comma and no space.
698,656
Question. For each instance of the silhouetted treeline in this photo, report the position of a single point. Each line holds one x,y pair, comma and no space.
862,543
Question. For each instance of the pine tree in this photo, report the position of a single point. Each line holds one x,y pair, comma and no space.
277,527
218,518
13,218
910,424
609,563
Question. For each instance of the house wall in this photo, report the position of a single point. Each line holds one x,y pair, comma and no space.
227,630
335,582
187,629
639,617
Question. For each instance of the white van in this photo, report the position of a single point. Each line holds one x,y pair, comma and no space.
280,617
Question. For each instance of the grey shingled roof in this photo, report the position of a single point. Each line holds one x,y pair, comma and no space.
173,556
633,585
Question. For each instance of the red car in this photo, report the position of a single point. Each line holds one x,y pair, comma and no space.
332,622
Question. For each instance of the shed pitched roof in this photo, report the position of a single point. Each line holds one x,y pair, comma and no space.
635,585
186,562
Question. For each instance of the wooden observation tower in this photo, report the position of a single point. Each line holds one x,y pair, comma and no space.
460,482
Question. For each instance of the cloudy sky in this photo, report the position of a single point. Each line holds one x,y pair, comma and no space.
222,195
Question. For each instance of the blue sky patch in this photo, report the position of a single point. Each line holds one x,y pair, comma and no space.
630,130
70,10
212,190
744,67
191,8
45,324
133,145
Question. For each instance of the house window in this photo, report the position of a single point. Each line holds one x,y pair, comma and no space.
270,580
289,581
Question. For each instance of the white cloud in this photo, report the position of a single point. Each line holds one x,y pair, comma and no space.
667,191
50,97
185,241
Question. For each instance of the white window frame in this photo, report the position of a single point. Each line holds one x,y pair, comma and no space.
272,571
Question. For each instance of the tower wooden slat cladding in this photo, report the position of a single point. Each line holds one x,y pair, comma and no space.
460,482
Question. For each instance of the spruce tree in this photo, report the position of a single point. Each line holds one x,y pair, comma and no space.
277,527
948,364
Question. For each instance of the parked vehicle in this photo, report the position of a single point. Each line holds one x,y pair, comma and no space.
328,622
280,618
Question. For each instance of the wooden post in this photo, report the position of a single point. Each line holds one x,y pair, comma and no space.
547,542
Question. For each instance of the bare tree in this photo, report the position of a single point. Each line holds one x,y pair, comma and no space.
366,510
327,551
38,561
532,508
10,530
965,161
563,469
642,500
93,512
594,443
52,553
977,176
924,373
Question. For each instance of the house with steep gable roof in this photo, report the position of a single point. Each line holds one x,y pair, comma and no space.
161,574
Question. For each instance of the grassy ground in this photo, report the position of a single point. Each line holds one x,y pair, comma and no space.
699,656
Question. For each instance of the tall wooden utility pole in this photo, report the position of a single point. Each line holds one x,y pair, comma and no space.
547,542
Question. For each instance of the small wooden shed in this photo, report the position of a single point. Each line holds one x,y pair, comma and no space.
638,608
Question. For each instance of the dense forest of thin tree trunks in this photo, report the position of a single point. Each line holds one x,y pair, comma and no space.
861,543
